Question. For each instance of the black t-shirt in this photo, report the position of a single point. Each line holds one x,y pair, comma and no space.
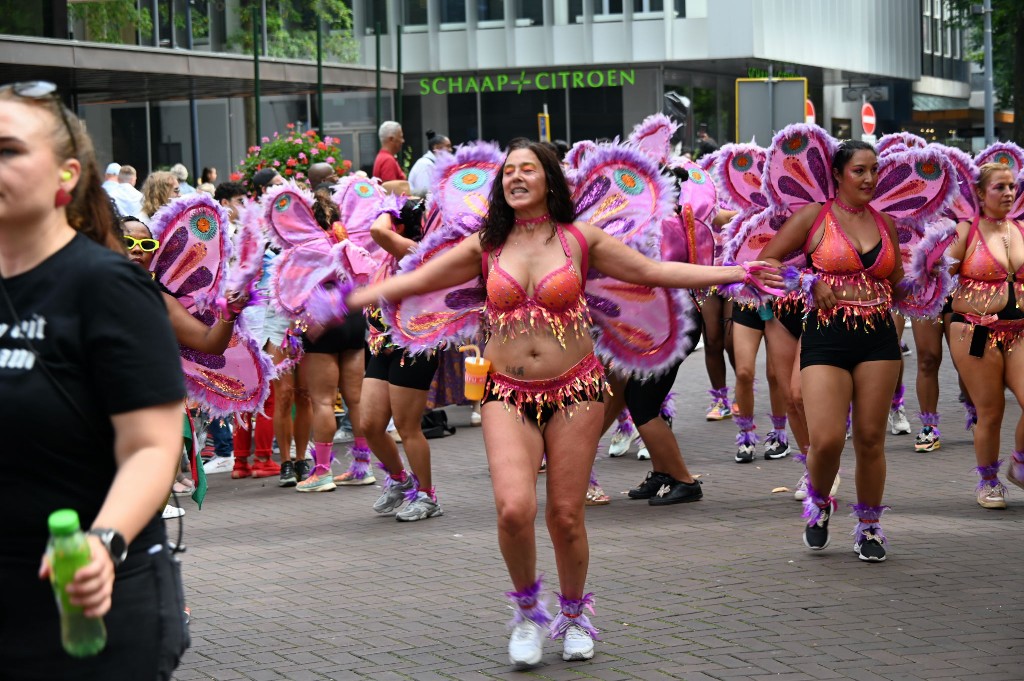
100,326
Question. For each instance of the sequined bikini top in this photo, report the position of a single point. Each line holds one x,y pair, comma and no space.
557,300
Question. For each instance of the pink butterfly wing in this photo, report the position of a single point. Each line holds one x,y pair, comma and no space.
798,167
462,183
288,217
235,382
297,271
193,250
358,200
653,136
1004,153
915,184
740,170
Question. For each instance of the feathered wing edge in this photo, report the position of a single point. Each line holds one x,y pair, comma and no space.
465,329
986,154
720,172
811,130
221,406
639,137
242,275
920,269
169,214
665,190
965,161
911,156
637,366
267,205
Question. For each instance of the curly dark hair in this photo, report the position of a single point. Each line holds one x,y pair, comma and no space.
501,218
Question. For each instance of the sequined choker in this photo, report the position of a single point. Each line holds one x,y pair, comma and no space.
530,223
848,209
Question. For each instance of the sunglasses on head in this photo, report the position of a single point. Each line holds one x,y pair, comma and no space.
147,245
41,90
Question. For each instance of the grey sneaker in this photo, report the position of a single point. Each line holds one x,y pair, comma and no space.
394,494
420,508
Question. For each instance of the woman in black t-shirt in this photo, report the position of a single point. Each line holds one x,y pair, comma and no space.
91,387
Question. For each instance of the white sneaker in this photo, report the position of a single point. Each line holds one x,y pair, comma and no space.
219,464
800,493
474,418
526,645
577,644
642,454
898,423
621,443
172,512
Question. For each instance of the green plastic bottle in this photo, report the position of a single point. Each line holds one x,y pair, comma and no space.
68,551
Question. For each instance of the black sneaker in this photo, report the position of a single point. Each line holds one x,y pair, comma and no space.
745,454
869,547
287,475
302,469
774,448
676,492
816,533
650,486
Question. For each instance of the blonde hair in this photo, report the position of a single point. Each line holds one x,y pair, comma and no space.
90,211
987,170
157,191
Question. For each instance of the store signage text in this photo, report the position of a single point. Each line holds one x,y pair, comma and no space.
763,73
544,80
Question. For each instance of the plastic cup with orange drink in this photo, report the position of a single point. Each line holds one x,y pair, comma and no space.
476,373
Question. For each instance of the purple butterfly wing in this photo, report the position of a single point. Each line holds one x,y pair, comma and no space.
739,171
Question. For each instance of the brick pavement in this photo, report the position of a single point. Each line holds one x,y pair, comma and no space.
295,586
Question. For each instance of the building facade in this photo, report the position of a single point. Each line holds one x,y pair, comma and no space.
486,68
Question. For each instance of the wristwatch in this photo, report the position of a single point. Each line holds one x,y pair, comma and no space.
117,547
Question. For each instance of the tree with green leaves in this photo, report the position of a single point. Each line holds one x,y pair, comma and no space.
1007,53
106,19
291,29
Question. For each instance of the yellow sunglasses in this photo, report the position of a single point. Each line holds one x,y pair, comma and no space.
147,245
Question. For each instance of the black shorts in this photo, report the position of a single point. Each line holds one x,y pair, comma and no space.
845,346
349,335
747,316
644,398
402,370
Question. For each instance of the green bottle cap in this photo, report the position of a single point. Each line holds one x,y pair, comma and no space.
64,522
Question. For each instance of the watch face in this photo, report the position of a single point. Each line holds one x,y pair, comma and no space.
118,547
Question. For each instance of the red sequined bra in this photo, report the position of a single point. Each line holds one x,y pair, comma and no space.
838,263
557,300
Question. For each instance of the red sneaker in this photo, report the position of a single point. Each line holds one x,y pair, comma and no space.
242,468
265,468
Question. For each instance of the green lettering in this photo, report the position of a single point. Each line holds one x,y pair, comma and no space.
612,79
595,82
577,79
627,77
424,86
471,85
539,84
502,81
437,86
487,85
455,85
565,79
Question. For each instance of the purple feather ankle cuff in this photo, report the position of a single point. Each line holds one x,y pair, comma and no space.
868,518
815,505
989,475
572,612
746,436
528,605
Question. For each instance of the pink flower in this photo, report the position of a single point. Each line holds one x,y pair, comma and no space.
265,140
330,159
328,139
300,175
277,163
302,156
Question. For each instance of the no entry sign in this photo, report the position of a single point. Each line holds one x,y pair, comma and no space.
867,118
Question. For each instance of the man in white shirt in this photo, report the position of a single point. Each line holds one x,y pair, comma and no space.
110,177
127,198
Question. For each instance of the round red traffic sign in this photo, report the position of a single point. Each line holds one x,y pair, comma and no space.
809,115
867,118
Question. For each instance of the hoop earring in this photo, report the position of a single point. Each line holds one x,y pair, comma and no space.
62,198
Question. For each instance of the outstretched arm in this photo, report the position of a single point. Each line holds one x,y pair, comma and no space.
192,333
384,235
458,265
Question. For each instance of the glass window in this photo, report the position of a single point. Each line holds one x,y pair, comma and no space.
926,35
595,113
531,9
453,12
648,5
490,10
376,12
414,12
575,11
937,36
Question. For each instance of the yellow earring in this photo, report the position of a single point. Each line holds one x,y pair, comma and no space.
65,175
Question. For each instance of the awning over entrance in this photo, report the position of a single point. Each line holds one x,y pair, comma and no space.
95,72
